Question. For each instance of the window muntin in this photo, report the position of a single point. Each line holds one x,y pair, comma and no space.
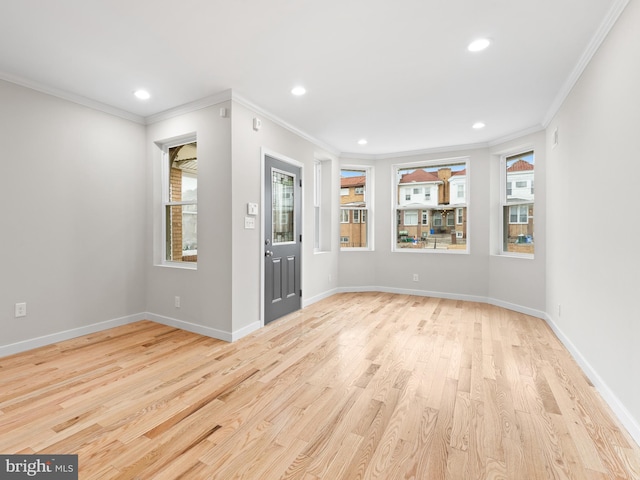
430,201
354,207
518,200
180,203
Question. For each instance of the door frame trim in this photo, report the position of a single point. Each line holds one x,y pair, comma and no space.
265,152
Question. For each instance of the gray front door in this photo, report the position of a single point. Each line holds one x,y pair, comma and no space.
282,239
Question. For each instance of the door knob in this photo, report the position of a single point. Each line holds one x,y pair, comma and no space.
268,253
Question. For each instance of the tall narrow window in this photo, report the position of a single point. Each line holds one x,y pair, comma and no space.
430,200
317,197
322,185
518,203
354,207
180,203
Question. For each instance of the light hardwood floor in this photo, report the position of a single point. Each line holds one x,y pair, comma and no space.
366,385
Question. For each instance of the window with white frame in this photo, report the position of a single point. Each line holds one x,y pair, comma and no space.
354,207
180,203
518,203
518,214
450,219
317,196
322,199
411,217
430,201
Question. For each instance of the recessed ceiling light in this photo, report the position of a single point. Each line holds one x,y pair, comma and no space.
142,94
299,90
362,141
478,125
479,44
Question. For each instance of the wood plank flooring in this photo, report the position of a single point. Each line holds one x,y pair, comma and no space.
357,386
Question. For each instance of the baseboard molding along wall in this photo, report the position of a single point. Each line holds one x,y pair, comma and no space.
45,340
625,417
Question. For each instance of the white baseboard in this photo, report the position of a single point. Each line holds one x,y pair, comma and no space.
44,340
191,327
449,296
310,301
625,417
243,332
517,308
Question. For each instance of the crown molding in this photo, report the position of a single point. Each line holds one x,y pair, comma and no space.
516,135
71,97
593,46
413,153
199,104
259,110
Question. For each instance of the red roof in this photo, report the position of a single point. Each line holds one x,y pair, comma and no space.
459,172
520,166
352,181
419,176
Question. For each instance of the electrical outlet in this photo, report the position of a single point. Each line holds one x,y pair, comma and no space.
176,302
21,310
416,277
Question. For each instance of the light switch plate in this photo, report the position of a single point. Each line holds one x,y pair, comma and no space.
252,208
249,223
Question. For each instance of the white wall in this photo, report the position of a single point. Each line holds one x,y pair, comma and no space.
222,297
593,228
519,281
205,293
247,149
73,216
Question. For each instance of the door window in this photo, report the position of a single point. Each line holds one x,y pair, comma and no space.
283,229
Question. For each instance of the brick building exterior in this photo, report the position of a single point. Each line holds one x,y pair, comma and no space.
353,212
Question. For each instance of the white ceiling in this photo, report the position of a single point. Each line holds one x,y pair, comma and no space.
396,72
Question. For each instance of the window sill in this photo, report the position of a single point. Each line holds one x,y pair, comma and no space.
433,251
355,249
525,256
178,265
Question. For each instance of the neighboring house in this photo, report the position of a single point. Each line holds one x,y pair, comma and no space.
353,212
519,199
439,201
